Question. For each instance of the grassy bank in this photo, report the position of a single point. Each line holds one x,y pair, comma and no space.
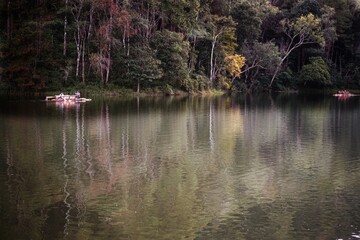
112,91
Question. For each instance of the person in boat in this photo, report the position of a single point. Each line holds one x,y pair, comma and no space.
77,95
343,92
60,97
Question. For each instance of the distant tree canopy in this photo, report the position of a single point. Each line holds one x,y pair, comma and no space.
190,45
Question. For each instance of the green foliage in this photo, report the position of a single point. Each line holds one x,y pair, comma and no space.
45,45
31,59
343,23
181,14
308,27
199,82
220,42
222,30
172,51
304,7
329,28
287,80
265,56
316,73
262,59
249,23
142,66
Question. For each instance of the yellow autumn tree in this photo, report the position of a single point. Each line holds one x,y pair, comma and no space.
233,64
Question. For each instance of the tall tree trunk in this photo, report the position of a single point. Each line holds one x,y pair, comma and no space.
212,68
124,39
78,52
128,46
65,29
275,73
79,35
230,5
212,60
192,59
138,86
9,20
108,63
83,63
91,21
289,50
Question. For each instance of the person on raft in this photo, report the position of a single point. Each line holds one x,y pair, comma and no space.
77,94
61,96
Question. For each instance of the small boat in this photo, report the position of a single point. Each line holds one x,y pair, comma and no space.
343,94
66,98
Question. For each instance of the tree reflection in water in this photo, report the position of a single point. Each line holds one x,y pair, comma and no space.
162,168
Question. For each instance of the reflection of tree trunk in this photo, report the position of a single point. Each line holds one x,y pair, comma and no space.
79,195
105,144
15,181
9,159
39,147
108,146
67,194
108,139
79,147
211,130
125,140
87,153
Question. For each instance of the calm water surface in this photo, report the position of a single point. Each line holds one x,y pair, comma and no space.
270,167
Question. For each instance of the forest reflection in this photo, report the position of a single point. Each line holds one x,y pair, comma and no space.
156,168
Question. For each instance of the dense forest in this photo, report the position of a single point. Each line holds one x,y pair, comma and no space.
189,45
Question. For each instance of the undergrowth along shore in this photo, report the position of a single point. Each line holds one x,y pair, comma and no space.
111,91
116,91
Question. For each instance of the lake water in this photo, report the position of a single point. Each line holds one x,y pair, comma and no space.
269,167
